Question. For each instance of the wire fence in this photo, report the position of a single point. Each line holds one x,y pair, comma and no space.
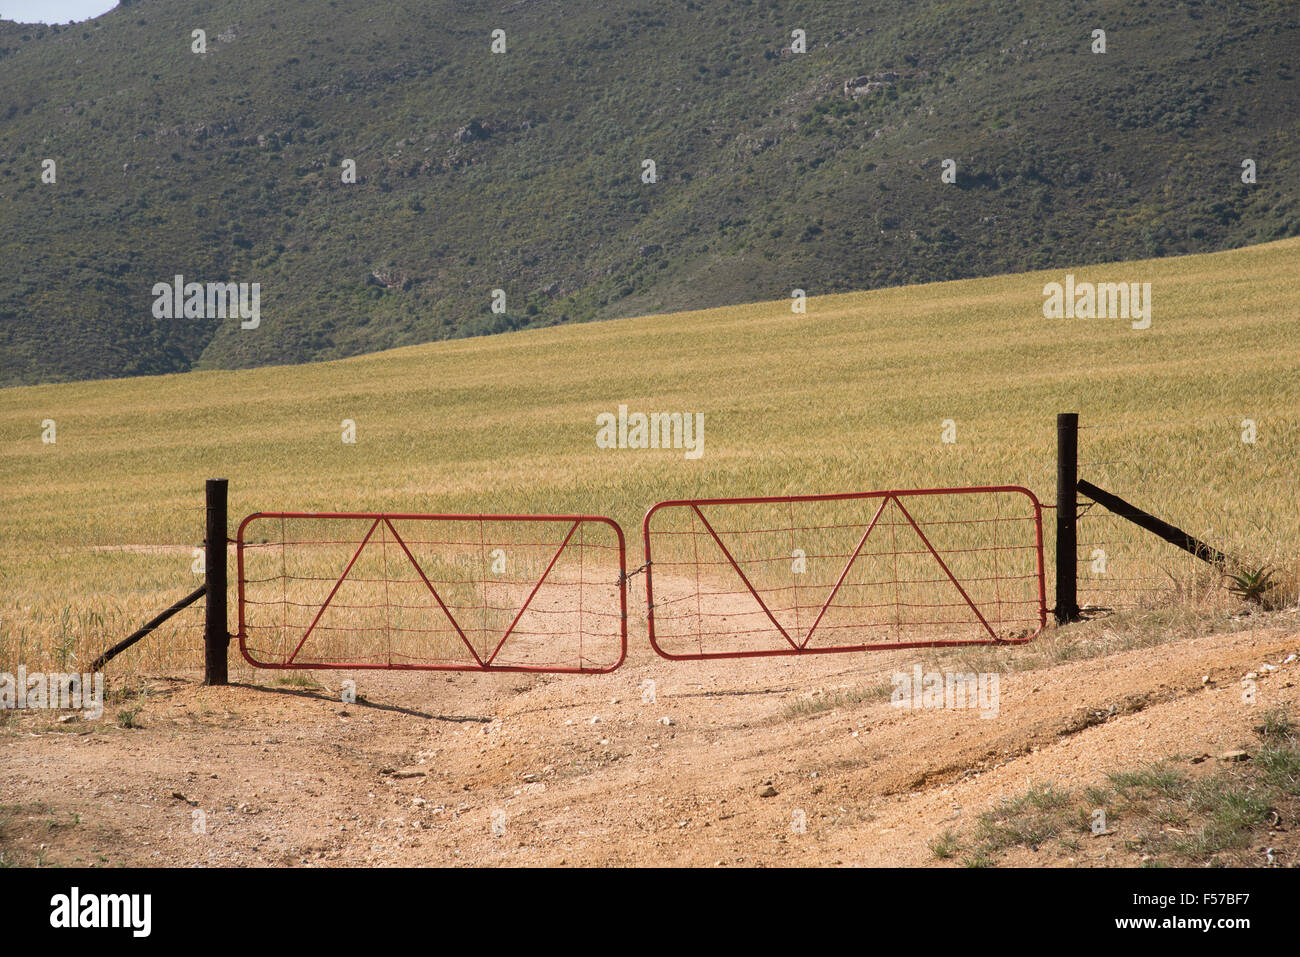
99,576
1227,480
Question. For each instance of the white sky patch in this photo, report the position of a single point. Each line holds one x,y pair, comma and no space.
53,11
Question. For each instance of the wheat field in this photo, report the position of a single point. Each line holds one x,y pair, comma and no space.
99,527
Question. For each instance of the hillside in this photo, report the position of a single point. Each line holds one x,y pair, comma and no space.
522,171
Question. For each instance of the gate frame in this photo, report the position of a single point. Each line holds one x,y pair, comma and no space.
411,516
886,495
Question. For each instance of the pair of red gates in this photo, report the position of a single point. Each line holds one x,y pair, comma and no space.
724,578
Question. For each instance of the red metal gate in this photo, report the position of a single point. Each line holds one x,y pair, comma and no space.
809,574
439,592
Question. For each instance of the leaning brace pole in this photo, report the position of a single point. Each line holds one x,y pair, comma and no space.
1156,526
144,629
216,637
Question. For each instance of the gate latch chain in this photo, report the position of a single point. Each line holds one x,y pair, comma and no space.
624,576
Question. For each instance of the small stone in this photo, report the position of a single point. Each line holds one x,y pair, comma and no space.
666,722
767,792
410,773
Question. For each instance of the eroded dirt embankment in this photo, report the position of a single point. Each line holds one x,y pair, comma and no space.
720,765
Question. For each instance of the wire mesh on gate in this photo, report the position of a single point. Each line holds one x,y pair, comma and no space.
440,592
784,575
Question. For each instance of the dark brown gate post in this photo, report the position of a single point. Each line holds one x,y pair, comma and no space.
216,637
1067,514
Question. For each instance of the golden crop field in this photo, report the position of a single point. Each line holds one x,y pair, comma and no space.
98,528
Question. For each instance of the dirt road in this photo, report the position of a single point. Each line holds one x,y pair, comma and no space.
739,763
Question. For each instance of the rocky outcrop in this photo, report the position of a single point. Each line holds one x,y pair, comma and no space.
471,132
871,82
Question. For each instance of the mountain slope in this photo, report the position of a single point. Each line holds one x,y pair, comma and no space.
522,171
